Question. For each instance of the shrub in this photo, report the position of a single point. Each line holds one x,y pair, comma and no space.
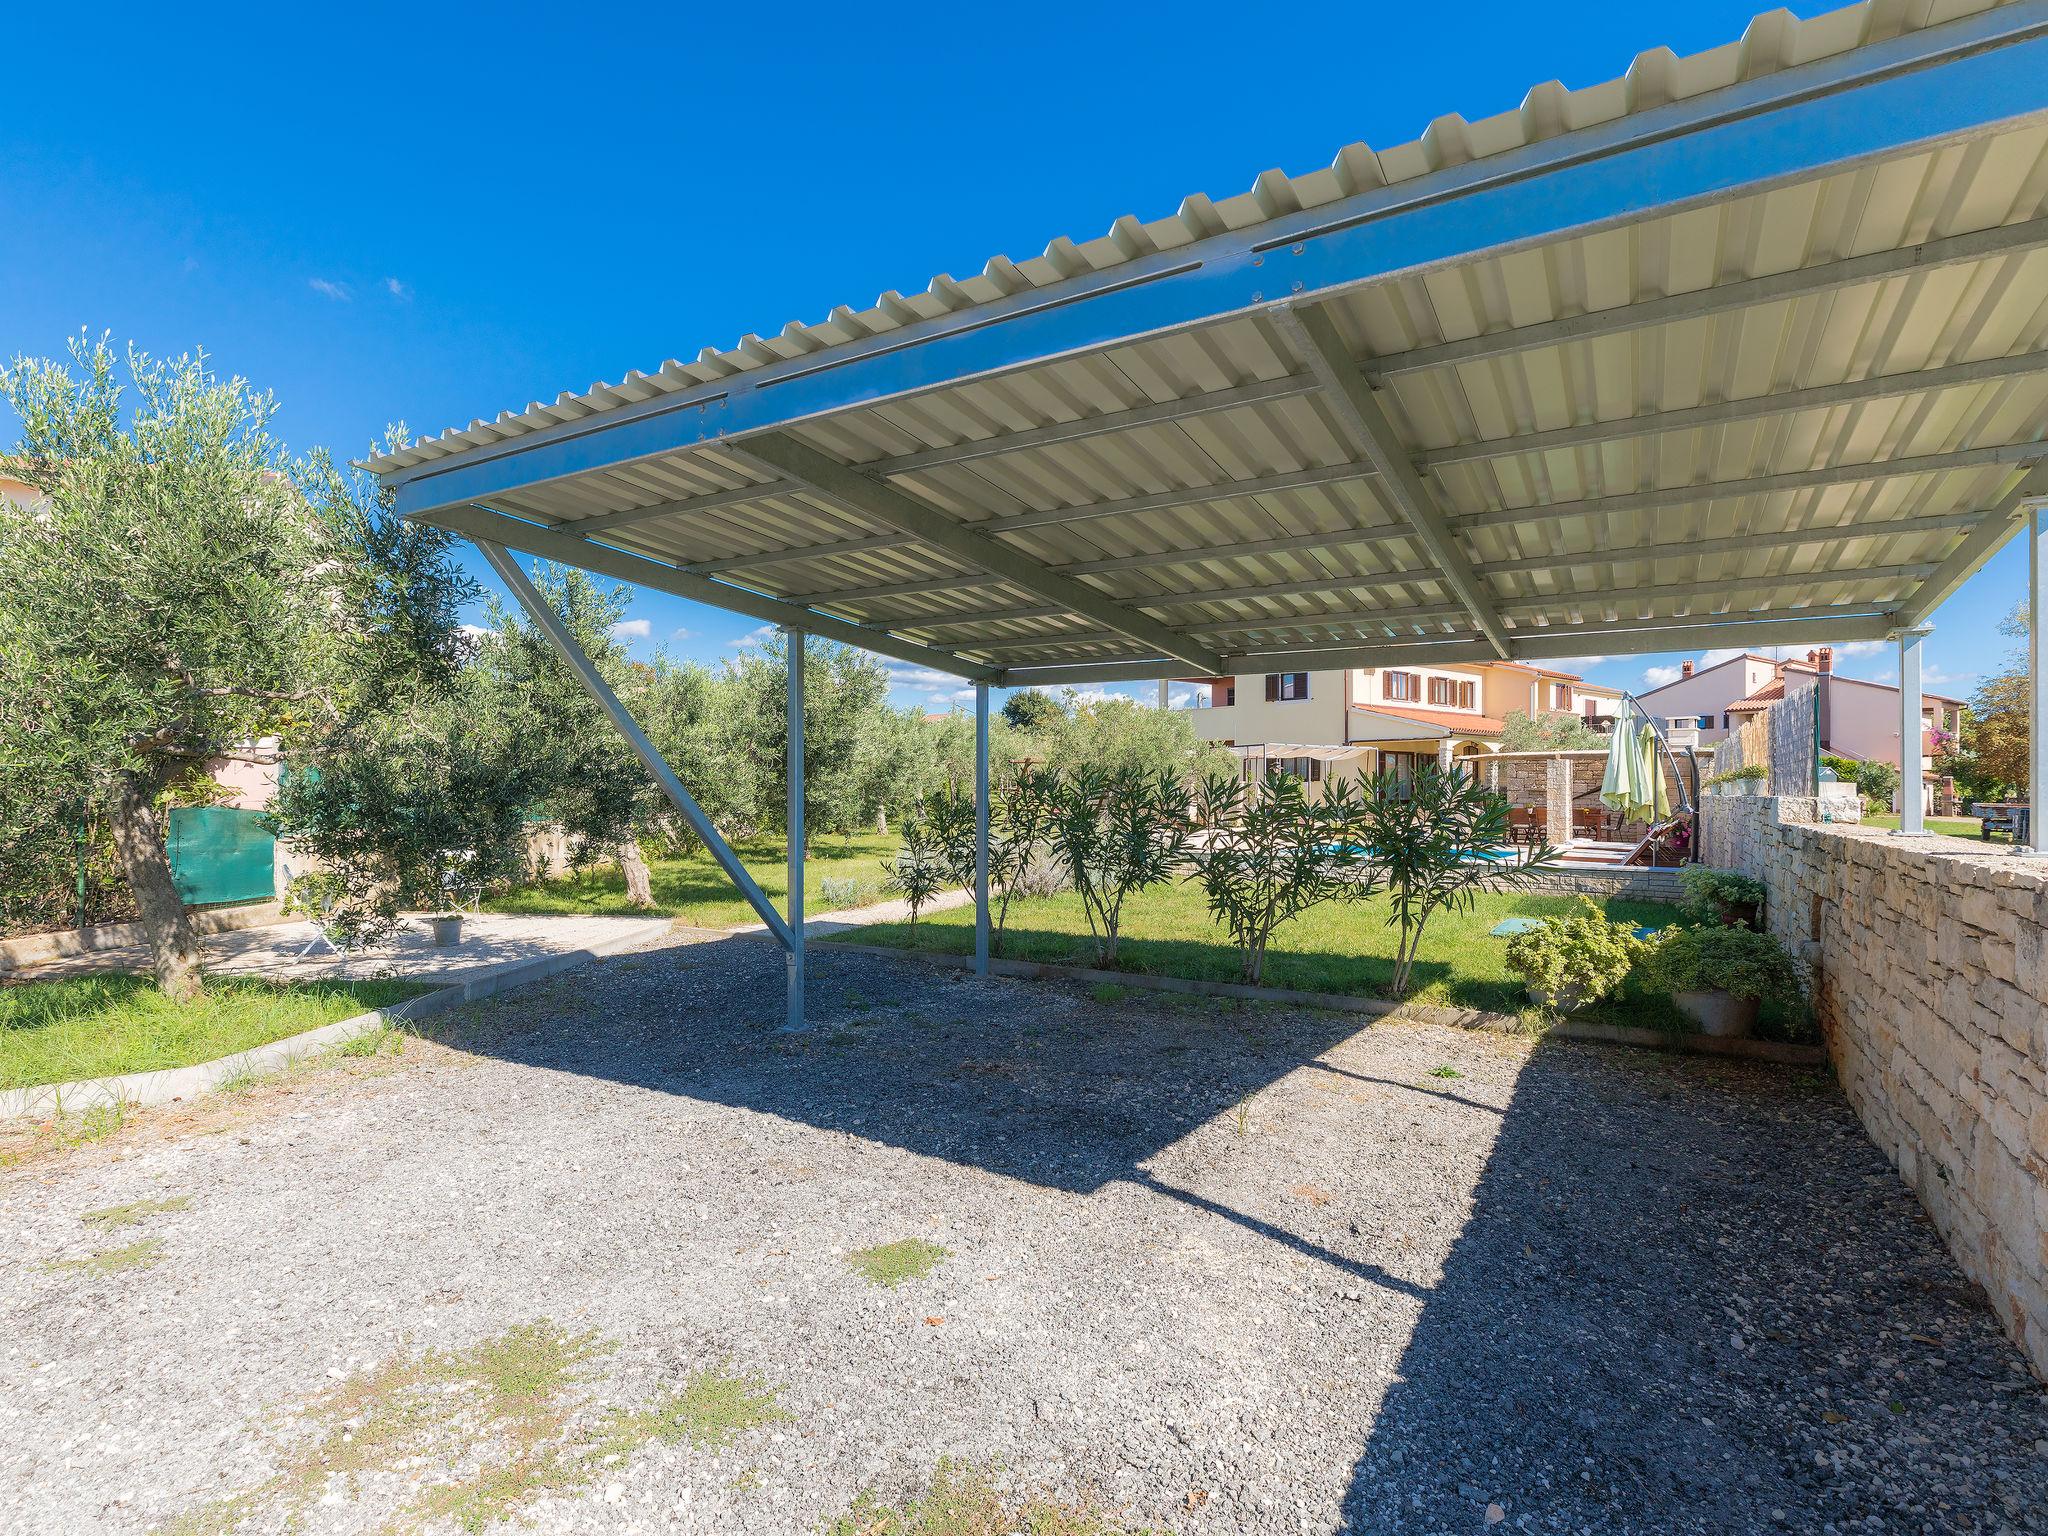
1745,773
838,892
919,871
1709,893
1116,833
1739,961
1577,959
1430,841
1272,853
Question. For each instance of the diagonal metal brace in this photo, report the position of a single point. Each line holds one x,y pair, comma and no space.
550,624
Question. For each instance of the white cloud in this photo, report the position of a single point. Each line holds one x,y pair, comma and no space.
341,292
683,634
1578,663
1181,697
473,631
1657,677
396,289
753,638
1859,648
633,629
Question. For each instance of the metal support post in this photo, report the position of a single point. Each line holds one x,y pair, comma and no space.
981,810
793,648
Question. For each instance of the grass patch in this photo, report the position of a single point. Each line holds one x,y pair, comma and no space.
695,890
1445,1071
1339,947
116,1216
964,1501
891,1264
103,1026
713,1408
1947,826
490,1428
111,1261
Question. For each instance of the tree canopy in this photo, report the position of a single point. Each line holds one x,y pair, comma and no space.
184,593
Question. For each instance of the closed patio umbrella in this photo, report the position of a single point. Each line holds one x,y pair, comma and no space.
1655,803
1619,786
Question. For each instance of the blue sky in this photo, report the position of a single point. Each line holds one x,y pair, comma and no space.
391,215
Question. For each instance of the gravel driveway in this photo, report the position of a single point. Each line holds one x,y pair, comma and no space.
1203,1269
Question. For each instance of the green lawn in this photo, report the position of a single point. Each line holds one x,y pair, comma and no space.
1344,948
102,1026
1948,826
696,889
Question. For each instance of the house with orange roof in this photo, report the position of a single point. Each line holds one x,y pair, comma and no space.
1359,721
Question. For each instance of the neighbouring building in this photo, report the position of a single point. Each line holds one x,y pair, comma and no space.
1856,718
1364,720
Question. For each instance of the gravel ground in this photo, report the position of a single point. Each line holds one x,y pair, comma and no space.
1215,1269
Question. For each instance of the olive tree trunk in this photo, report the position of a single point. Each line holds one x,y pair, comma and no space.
633,864
139,841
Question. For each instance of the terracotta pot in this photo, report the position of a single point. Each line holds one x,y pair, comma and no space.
445,931
1719,1013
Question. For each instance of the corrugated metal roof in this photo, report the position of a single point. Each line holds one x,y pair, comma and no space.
1773,41
1807,401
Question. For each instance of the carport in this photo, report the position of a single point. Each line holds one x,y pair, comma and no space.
1745,348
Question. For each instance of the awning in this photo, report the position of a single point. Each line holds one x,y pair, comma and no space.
1744,348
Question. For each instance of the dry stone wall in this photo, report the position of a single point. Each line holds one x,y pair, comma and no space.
1930,962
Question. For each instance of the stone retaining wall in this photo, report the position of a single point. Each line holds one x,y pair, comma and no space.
1930,960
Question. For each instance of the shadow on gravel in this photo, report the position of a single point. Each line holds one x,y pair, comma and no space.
1698,1299
921,1058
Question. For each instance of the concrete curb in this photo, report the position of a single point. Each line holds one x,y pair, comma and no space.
36,949
140,1090
1341,1002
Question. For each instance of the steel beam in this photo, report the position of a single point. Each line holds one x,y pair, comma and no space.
1735,544
1718,413
1968,558
1350,398
1774,288
1151,414
793,756
1630,637
1020,522
847,487
550,624
480,523
682,506
1790,584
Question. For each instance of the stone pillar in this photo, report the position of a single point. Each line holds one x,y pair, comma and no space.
1557,801
1443,756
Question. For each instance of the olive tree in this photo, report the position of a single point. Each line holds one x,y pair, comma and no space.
182,593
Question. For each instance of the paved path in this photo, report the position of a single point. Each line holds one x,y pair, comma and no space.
489,943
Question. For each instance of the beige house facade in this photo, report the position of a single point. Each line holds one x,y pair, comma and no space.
1360,721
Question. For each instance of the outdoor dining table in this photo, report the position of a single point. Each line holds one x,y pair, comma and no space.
2011,816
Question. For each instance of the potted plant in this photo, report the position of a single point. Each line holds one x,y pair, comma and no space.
1722,896
1720,977
1572,961
446,928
